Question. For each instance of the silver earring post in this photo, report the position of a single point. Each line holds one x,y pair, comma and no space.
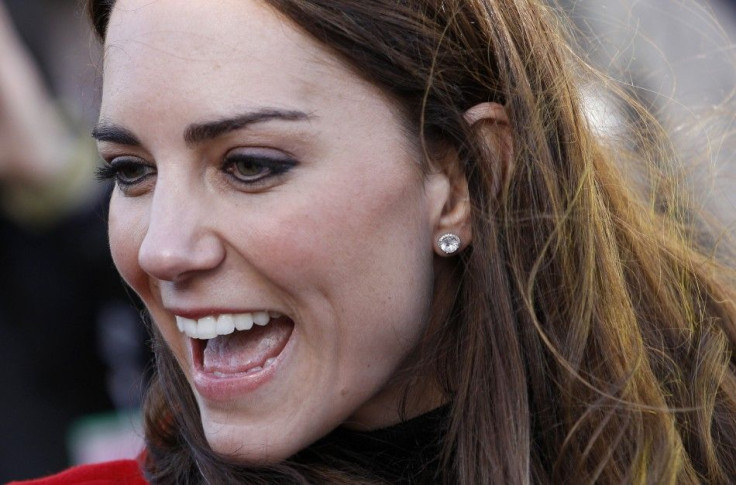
449,243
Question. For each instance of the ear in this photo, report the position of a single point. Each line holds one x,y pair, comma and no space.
490,123
448,191
448,187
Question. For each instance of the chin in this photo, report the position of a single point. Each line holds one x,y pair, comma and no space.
231,441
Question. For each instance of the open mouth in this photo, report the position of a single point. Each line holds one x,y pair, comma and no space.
235,345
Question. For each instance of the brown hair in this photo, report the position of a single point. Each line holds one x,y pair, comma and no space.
592,337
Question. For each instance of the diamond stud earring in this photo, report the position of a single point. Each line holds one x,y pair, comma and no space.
449,243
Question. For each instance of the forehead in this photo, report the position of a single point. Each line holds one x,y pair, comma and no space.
162,53
203,26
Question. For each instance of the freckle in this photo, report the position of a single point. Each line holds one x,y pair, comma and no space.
344,392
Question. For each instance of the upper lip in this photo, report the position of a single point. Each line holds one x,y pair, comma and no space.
197,313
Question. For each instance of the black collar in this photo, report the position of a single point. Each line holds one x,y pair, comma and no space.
405,453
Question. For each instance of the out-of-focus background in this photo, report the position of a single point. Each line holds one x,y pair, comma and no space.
75,354
678,59
73,347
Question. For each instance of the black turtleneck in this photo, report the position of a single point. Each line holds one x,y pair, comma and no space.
406,453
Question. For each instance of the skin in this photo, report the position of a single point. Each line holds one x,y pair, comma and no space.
35,146
343,242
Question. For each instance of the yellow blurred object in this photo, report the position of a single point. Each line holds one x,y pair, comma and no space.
41,205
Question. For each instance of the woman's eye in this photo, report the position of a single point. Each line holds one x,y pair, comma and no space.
126,171
253,169
250,169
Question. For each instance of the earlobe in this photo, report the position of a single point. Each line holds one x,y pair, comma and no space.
453,232
452,228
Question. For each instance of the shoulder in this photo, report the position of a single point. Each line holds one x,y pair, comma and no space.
121,472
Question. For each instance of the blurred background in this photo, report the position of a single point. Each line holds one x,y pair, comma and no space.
678,59
75,347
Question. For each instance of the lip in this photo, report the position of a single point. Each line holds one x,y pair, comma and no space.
220,389
195,314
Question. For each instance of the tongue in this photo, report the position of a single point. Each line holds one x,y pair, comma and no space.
242,351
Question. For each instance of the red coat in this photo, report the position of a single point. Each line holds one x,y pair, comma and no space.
121,472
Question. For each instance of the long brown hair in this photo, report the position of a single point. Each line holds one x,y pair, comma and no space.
592,336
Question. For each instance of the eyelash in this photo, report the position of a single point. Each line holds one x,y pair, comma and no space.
114,169
268,167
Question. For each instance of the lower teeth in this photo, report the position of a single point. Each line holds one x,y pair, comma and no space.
245,353
255,369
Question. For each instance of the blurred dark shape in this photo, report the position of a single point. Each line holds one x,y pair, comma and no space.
53,287
73,341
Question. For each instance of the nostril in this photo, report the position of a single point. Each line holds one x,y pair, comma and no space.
180,236
159,262
166,255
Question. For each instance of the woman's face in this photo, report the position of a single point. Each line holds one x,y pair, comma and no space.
259,179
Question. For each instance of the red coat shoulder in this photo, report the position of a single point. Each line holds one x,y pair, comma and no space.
121,472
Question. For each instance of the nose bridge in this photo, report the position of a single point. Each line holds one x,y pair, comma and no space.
180,237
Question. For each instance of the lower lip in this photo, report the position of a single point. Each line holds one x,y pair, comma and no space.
226,388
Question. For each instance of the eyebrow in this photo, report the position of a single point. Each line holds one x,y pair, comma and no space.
115,134
199,132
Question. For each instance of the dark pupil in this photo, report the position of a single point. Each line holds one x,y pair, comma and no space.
131,172
248,168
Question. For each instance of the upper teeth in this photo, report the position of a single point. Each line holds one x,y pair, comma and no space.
211,326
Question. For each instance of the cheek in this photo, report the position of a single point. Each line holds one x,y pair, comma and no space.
312,236
369,243
126,229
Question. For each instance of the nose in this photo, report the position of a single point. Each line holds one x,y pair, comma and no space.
180,239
